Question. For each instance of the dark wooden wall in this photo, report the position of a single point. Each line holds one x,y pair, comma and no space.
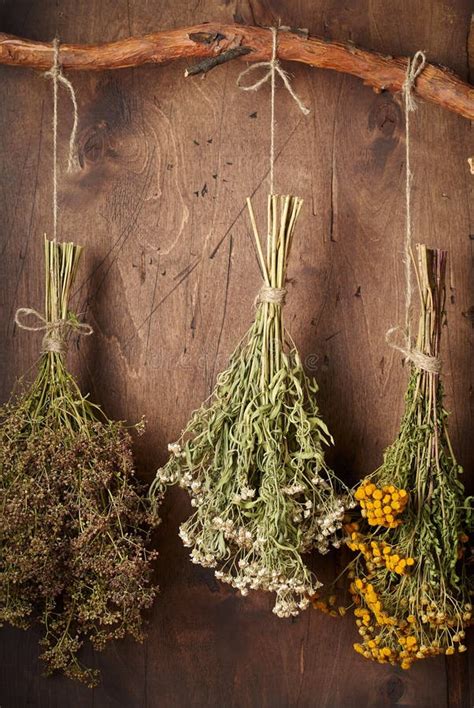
168,282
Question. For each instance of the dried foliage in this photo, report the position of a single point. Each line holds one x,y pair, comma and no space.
408,581
74,525
252,458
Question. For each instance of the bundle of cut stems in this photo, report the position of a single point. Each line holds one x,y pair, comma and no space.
73,526
408,581
252,457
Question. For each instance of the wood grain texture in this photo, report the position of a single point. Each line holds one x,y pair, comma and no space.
168,281
220,43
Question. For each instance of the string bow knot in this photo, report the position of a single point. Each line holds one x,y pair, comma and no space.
274,67
55,331
414,69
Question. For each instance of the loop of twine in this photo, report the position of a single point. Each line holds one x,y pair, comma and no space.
272,295
274,67
411,353
414,69
57,76
55,332
432,364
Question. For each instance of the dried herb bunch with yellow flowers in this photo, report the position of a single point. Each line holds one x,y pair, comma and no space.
408,581
252,458
73,523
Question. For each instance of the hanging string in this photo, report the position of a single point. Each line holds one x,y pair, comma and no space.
411,353
57,76
415,67
274,67
55,332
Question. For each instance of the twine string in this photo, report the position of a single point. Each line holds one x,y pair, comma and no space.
273,68
55,332
57,76
395,334
414,69
432,364
275,296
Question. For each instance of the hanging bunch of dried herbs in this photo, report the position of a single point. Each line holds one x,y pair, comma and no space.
252,458
408,581
73,526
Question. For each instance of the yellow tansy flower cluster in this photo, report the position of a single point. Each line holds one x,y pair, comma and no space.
329,606
361,590
399,635
379,553
409,651
396,631
393,640
381,505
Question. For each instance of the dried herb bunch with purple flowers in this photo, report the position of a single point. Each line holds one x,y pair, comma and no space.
74,526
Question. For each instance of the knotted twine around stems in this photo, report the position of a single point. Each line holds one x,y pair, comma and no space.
57,76
274,67
55,332
411,353
275,296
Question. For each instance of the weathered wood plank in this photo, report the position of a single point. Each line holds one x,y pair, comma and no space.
168,283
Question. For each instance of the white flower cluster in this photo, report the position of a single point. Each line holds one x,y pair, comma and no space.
293,593
243,551
251,528
239,535
168,475
207,560
304,512
328,523
294,489
176,449
165,476
244,494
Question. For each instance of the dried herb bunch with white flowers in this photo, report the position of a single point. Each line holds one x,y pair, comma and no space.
252,458
74,524
408,581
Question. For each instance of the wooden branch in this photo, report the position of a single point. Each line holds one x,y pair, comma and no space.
207,64
436,84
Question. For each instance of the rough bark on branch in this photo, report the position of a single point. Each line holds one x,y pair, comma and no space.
436,84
